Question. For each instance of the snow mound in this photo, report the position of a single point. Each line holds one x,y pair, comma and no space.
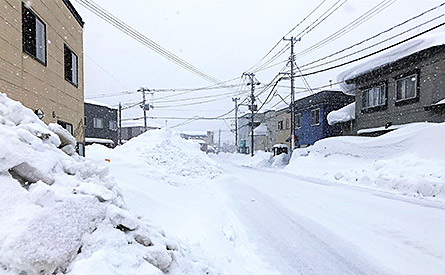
408,161
166,153
60,213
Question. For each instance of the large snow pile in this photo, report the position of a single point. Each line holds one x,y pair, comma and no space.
60,213
408,161
168,155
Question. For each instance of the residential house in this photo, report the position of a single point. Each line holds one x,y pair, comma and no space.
244,130
282,132
133,128
310,116
409,89
100,124
205,139
41,57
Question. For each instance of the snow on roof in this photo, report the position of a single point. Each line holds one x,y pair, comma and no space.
389,56
440,102
280,146
194,133
99,140
89,101
140,123
344,114
261,130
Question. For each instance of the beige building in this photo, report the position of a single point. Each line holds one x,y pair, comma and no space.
41,60
283,126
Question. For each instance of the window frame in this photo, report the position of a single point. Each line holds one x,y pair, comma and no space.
112,125
287,123
95,124
298,125
67,49
403,101
64,125
24,34
378,107
319,119
280,125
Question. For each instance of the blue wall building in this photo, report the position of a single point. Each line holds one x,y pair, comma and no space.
310,116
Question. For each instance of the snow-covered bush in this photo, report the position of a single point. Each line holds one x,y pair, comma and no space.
60,213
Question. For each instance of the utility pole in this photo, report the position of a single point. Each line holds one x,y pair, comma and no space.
145,107
235,99
252,106
292,91
119,133
219,140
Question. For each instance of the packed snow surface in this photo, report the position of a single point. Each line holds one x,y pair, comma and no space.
61,213
408,161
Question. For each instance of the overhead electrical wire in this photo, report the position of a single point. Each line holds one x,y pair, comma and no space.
293,28
373,53
374,36
122,26
374,45
349,27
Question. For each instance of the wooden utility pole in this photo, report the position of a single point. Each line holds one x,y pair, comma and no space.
252,106
119,133
235,99
292,91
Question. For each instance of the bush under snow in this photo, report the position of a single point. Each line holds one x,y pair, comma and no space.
408,161
60,213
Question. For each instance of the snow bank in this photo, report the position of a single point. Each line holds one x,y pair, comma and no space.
389,56
60,213
168,155
408,161
344,114
260,159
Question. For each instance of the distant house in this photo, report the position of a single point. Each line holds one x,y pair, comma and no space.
244,130
310,116
41,57
100,124
405,90
133,128
205,139
282,132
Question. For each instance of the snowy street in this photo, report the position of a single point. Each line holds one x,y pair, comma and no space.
265,221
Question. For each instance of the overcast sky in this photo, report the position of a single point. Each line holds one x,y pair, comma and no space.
223,39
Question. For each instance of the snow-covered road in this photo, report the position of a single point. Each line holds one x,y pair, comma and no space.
264,221
314,228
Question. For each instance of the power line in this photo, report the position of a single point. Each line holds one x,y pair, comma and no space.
279,41
119,24
371,46
374,53
349,27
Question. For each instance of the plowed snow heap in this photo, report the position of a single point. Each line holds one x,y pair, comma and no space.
60,213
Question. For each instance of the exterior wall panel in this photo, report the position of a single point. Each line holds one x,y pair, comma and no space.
25,79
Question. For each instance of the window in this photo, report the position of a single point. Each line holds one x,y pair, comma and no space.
70,66
406,87
315,117
67,126
280,125
98,122
112,125
33,35
287,123
374,97
298,120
